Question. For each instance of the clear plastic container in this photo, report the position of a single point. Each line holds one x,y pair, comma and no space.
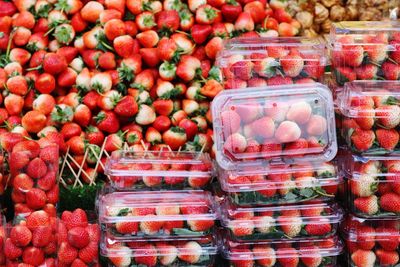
312,220
308,252
374,186
371,242
286,124
365,50
371,117
195,251
257,62
157,214
281,184
155,170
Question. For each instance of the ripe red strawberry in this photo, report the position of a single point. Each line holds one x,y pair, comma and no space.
287,256
353,55
344,74
200,33
107,121
390,202
126,107
89,254
78,237
390,71
41,236
94,232
169,226
54,63
367,72
77,218
363,258
200,226
391,242
11,251
230,11
36,219
127,227
175,137
33,256
368,205
387,139
168,20
148,258
20,235
387,258
66,253
151,227
362,139
318,229
242,70
36,198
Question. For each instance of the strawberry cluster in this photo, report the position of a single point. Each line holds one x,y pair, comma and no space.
374,188
284,253
374,127
182,170
372,242
311,221
78,239
194,252
272,64
33,168
32,240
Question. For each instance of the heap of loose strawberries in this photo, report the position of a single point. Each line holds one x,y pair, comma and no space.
78,239
375,57
33,168
32,240
308,221
178,170
374,188
319,252
372,242
197,251
139,72
284,184
373,128
274,64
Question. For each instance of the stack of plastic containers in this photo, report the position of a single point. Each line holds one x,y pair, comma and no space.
372,171
274,149
148,219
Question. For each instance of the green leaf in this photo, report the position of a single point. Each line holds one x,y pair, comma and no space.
290,196
187,232
306,192
123,212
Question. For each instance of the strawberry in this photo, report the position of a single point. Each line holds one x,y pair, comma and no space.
387,139
119,260
33,256
20,235
89,254
344,74
364,186
367,205
107,121
269,255
11,251
127,227
36,219
78,237
242,70
175,137
147,258
391,242
287,256
230,11
287,132
390,71
66,253
169,252
235,143
292,64
151,227
388,116
34,121
200,33
390,202
207,14
54,63
263,128
200,226
365,258
291,225
244,22
168,20
367,72
36,198
318,229
190,252
363,139
387,258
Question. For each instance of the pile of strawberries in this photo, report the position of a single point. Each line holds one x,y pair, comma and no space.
78,239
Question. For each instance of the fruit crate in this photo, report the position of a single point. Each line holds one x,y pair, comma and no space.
287,124
309,220
371,117
374,186
281,183
157,214
159,170
258,62
176,251
371,242
33,170
308,252
365,50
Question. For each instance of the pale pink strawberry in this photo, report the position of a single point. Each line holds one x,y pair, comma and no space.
287,131
299,112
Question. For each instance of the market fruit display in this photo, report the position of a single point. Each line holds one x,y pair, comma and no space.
78,239
281,184
371,117
374,187
312,252
312,220
261,62
155,170
372,242
287,123
157,214
196,251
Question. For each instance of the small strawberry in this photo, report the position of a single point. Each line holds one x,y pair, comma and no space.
78,237
107,121
36,168
388,116
367,72
387,258
36,219
89,254
42,236
151,226
318,229
235,143
200,226
292,65
353,55
20,235
363,139
175,137
290,225
11,251
190,253
66,253
368,205
148,257
123,259
390,71
33,256
36,198
364,186
344,75
387,139
287,256
127,227
242,70
390,202
390,242
365,258
238,229
169,252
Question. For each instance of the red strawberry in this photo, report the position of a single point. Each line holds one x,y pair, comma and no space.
175,137
11,251
41,236
126,107
20,235
363,258
368,205
390,71
242,70
33,256
344,74
387,139
367,72
353,55
200,33
127,227
363,139
107,121
36,219
78,237
54,63
94,232
390,202
36,168
66,253
89,254
48,181
151,227
190,252
391,242
148,257
235,143
36,198
287,256
318,229
200,226
387,258
292,64
78,218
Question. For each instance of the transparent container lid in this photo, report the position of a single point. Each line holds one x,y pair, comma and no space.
364,33
158,206
274,124
371,99
379,229
277,177
159,163
311,213
327,247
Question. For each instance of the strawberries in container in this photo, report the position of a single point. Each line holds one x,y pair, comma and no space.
364,50
78,239
155,170
258,62
374,186
371,117
291,123
33,168
157,214
371,242
194,251
312,220
308,252
281,184
32,240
